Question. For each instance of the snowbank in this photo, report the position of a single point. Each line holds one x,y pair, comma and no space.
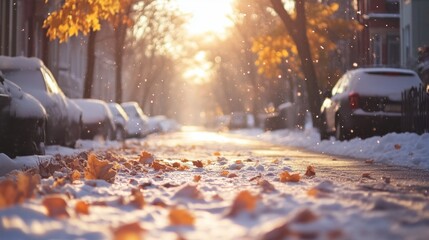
405,149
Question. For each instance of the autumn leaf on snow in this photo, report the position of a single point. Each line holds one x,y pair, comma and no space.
75,175
179,216
129,231
16,192
197,178
189,191
56,206
284,230
9,193
81,207
146,158
266,186
99,169
310,171
243,202
289,177
198,163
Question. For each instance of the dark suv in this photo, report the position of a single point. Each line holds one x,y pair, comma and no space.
22,121
366,102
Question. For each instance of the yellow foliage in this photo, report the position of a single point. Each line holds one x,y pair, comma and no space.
323,29
84,16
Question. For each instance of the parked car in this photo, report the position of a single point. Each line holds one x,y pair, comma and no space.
238,120
366,102
22,121
97,119
64,117
161,123
137,125
120,118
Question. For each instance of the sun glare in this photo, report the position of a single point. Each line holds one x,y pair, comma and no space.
207,16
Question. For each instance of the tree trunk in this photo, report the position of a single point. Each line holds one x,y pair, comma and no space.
298,30
90,65
119,50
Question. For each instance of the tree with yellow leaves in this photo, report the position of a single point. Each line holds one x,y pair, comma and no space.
84,16
310,34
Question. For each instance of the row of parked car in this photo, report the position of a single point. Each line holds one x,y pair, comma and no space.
34,111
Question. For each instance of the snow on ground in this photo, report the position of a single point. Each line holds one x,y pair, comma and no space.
403,149
175,190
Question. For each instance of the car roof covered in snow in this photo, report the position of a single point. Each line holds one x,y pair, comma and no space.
20,62
381,69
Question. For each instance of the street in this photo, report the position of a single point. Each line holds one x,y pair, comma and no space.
195,183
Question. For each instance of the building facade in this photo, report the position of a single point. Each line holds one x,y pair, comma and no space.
414,30
379,41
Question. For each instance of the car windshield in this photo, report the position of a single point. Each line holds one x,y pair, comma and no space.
132,111
28,80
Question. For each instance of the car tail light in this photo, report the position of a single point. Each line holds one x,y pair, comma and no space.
354,100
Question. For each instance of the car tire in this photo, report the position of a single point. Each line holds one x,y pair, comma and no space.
341,131
72,135
40,142
324,135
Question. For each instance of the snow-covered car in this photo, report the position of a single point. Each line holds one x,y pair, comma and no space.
366,102
120,118
97,119
161,123
22,121
137,125
64,117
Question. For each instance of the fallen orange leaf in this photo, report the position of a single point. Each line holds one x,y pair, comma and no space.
181,217
243,202
146,158
216,154
197,178
198,163
310,171
9,193
289,177
224,173
75,175
56,206
99,169
129,231
397,146
82,207
266,186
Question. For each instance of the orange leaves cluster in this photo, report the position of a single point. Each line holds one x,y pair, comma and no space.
243,202
181,217
289,177
15,192
99,169
84,16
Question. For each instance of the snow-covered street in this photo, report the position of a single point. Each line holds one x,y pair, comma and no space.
205,185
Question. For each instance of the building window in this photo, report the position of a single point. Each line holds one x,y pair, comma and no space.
377,49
